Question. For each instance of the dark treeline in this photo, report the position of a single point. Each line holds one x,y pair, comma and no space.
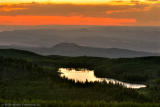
22,79
31,78
135,70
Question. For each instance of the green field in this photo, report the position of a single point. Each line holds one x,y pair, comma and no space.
26,77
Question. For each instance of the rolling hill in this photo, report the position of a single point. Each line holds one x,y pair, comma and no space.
72,49
30,78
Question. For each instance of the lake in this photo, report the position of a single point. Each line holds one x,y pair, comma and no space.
83,75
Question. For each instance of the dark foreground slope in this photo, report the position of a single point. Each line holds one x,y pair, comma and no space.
34,79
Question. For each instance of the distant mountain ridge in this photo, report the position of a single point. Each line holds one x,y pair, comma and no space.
72,49
136,38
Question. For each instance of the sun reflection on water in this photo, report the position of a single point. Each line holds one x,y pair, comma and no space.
83,75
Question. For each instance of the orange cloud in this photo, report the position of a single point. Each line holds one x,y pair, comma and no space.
129,10
9,9
147,14
63,20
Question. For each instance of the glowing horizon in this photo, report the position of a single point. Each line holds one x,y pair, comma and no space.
83,12
87,2
62,20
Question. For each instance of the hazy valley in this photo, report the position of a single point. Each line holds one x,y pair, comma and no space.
80,66
132,38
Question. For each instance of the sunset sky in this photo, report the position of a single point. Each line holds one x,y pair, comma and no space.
80,12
